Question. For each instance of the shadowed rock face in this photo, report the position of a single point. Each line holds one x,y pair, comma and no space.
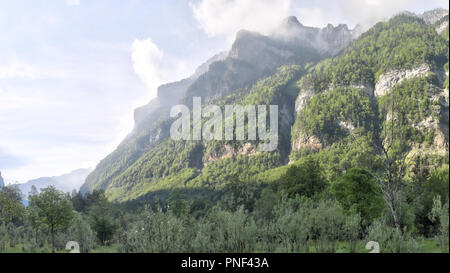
2,182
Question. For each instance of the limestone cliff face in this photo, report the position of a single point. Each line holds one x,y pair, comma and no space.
388,80
432,16
442,25
305,141
227,151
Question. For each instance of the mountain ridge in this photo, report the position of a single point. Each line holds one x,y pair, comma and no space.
66,182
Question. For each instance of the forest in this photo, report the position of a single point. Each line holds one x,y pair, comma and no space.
300,213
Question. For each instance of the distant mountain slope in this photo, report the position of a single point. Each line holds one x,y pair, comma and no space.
66,183
2,182
332,91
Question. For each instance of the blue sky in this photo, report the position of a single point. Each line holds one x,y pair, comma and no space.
72,71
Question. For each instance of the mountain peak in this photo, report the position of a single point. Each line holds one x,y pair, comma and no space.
430,17
291,21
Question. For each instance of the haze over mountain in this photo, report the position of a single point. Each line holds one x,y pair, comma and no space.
65,183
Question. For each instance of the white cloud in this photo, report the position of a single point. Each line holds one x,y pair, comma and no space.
312,17
65,108
72,3
226,17
147,61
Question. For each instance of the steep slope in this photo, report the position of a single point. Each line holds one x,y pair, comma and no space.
211,164
146,132
252,57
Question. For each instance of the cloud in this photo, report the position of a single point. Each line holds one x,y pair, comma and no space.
369,12
312,16
147,61
72,3
226,17
65,108
155,68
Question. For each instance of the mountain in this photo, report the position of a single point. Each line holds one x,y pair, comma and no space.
252,57
340,100
66,183
333,87
2,182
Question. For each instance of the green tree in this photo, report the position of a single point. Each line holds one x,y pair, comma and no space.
102,222
357,191
53,210
239,193
11,207
439,213
177,204
306,178
81,232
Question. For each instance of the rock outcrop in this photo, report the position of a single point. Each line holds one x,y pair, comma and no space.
227,151
432,16
442,25
388,80
304,141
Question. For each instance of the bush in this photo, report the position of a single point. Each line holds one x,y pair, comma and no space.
390,239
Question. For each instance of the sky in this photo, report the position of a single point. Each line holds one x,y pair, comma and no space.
73,71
